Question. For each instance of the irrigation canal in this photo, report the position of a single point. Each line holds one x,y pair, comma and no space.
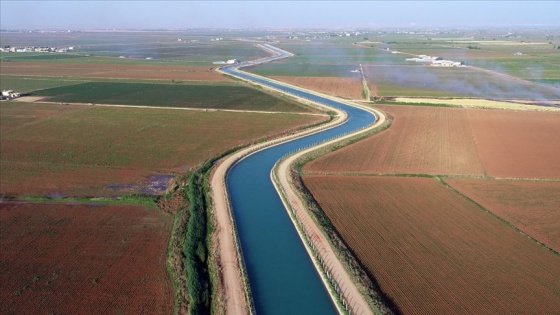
282,277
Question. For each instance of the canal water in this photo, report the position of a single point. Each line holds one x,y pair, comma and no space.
281,274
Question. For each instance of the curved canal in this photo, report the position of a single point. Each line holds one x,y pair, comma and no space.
282,276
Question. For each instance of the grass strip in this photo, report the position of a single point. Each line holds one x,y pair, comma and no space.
137,200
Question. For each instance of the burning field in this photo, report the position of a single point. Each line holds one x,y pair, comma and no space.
84,259
414,80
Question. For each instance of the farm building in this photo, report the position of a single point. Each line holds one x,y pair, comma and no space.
229,62
446,63
9,94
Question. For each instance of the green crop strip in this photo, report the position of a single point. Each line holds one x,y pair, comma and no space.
138,200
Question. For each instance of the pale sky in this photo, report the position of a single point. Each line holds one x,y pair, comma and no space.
274,14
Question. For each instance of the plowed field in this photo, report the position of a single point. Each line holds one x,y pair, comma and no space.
115,71
533,207
350,88
518,144
432,252
79,259
82,150
425,140
434,140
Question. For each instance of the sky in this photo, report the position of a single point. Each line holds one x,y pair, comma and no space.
21,14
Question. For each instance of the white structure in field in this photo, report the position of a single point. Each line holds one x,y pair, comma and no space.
436,61
229,62
9,94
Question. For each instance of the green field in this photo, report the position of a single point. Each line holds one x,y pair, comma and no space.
29,84
169,95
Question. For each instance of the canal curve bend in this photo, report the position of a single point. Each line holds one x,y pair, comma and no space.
282,277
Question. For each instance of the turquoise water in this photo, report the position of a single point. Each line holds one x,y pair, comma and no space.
281,274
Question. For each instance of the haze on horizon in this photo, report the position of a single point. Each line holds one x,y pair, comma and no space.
274,14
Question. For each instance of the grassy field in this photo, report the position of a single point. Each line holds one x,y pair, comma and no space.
187,96
86,150
23,84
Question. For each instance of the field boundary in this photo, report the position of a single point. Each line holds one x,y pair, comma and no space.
182,108
492,214
442,180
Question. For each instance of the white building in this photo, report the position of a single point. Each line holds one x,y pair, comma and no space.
9,94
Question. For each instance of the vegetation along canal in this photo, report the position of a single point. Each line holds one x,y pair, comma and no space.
281,274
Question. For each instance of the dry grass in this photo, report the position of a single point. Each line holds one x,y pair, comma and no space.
477,103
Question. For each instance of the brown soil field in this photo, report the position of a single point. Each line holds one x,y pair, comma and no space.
533,207
433,140
350,88
426,140
116,71
438,255
102,150
518,144
81,259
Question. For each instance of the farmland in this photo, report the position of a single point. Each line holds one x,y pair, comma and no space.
305,70
455,141
519,145
84,259
430,249
350,88
163,48
443,81
171,95
426,140
85,150
441,254
24,84
118,71
531,206
482,103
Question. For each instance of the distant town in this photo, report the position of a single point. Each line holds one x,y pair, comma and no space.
35,49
